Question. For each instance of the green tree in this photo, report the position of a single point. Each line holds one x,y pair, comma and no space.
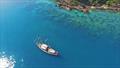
113,2
100,2
74,2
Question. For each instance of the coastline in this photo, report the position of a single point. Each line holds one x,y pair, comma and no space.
65,4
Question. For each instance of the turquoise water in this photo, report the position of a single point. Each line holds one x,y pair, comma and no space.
83,40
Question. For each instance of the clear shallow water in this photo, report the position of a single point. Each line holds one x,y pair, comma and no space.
81,45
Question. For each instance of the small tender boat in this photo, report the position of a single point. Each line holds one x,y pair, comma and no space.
47,49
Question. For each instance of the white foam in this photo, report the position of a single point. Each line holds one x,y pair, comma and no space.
6,61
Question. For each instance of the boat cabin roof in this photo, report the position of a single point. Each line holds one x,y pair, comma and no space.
51,50
44,46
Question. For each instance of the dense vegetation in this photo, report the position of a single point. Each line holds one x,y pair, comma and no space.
96,2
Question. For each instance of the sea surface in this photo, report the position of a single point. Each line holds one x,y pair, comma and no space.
89,40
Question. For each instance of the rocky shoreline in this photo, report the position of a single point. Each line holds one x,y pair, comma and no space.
85,8
105,7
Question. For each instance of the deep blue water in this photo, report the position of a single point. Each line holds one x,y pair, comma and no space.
23,21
